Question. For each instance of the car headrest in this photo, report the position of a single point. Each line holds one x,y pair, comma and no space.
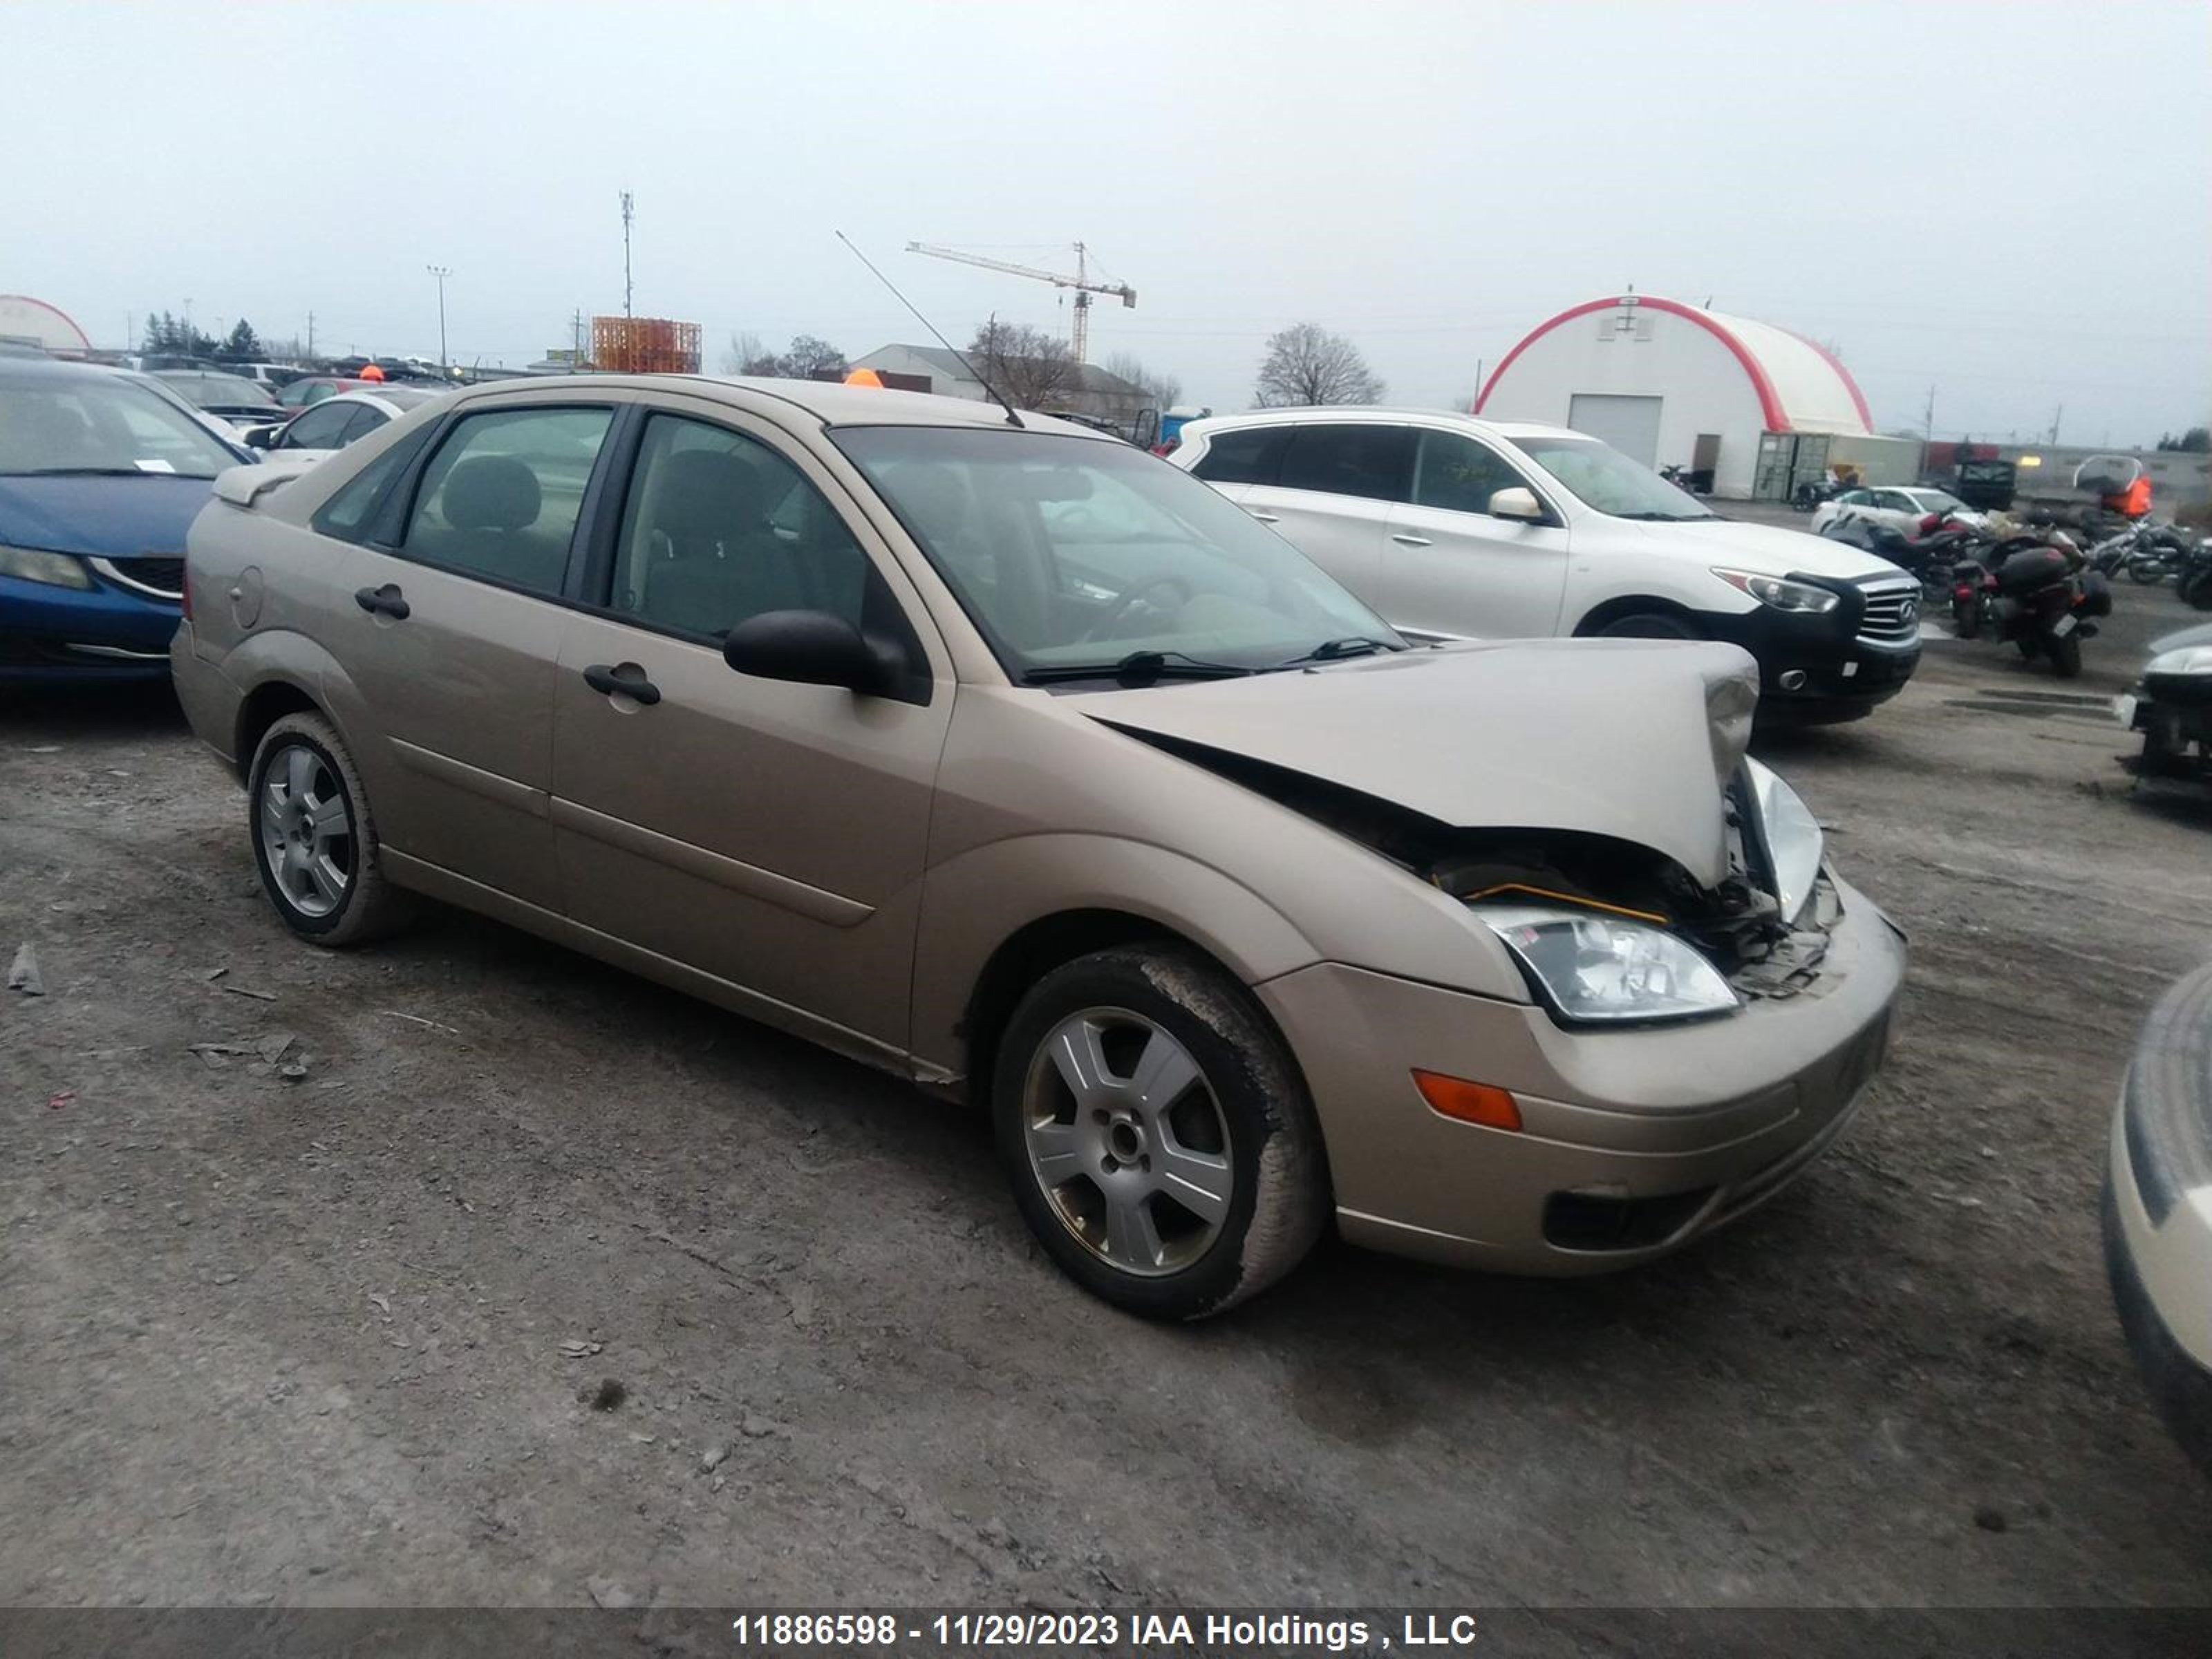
706,495
491,492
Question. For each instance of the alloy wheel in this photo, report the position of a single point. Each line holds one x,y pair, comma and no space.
306,830
1128,1142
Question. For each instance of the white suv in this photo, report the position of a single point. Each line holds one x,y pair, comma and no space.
1455,527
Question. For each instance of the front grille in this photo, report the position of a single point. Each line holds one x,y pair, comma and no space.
1892,616
160,578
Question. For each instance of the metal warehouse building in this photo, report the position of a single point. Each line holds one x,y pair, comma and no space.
1750,407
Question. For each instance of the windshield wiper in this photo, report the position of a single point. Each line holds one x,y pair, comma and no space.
1351,645
99,472
1138,668
1666,517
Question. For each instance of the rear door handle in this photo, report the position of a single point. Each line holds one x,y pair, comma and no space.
385,600
1264,518
1412,541
626,678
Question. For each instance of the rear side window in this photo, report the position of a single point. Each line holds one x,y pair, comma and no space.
1363,459
1249,456
349,515
1452,471
501,498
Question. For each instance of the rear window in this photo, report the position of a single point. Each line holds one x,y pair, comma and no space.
1248,456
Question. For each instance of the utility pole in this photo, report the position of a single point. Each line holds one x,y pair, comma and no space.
441,272
576,355
311,334
1927,429
627,213
2055,419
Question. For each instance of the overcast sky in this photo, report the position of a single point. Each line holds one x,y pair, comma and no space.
2009,202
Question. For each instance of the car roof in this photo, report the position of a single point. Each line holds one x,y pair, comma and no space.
1386,414
42,367
831,403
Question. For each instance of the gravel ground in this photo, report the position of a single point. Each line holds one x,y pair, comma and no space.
321,1339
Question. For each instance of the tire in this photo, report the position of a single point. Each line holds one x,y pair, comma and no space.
2065,656
1648,625
1966,618
313,839
1082,1160
2147,568
2197,589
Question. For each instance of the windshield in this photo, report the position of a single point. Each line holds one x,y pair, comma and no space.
221,391
1070,552
1937,500
1601,476
96,422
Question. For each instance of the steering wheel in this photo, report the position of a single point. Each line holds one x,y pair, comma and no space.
1125,601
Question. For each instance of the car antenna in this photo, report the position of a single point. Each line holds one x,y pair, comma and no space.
1013,419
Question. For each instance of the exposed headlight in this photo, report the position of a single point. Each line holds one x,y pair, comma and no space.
2190,659
1779,593
55,569
1596,967
1794,840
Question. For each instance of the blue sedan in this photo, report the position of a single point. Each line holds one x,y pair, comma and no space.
100,476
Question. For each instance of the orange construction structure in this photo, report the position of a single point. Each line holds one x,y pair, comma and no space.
645,345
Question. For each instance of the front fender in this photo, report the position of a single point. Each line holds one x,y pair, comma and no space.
975,901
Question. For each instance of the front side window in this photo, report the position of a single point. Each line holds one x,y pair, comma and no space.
501,497
1603,478
322,427
1362,460
718,528
1071,554
1452,471
1249,456
93,423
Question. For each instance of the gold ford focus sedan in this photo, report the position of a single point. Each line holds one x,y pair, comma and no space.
1004,757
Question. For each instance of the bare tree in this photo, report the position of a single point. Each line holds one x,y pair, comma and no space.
1033,369
1306,364
1165,390
747,356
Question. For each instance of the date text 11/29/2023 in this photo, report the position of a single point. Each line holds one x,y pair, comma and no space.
1161,1632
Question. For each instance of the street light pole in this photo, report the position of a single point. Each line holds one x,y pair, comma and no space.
441,272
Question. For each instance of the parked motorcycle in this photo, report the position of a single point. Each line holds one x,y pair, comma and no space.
2034,594
2148,552
1932,556
2196,583
1809,494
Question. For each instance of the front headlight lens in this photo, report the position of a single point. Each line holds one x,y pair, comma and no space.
54,569
1794,840
2190,659
1606,968
1779,593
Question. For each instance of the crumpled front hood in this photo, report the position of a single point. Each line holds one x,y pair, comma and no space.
1771,549
1630,739
111,518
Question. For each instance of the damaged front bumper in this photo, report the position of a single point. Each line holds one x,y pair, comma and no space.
1632,1142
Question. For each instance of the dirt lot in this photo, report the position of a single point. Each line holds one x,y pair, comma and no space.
316,1339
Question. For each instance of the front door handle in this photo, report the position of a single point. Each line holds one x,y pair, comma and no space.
1411,541
1264,518
626,678
384,601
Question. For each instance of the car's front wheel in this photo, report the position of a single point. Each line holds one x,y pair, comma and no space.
1158,1134
314,842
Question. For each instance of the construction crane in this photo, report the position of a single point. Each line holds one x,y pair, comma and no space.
1081,283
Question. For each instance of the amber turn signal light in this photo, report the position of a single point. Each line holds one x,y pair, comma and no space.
1470,1102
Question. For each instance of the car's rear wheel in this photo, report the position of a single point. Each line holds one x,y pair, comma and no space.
314,843
1158,1137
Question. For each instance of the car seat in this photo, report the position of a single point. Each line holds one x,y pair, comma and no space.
713,561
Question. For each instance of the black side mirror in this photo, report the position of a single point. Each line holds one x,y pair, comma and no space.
261,437
811,648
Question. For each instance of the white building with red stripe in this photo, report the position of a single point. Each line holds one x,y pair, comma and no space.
1676,384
